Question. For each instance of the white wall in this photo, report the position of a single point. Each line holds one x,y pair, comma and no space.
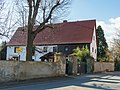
93,46
36,57
11,53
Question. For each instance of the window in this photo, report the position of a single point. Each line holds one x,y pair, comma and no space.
66,49
92,49
95,50
15,49
44,49
54,49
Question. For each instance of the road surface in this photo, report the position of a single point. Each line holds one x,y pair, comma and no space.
104,81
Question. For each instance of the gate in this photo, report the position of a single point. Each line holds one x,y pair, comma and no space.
82,68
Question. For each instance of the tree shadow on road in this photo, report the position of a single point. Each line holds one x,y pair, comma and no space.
104,81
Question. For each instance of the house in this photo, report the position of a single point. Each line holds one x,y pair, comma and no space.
63,37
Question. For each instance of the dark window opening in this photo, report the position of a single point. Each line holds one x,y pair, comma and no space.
44,49
92,49
54,49
15,49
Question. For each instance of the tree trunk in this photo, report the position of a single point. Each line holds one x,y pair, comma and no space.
29,48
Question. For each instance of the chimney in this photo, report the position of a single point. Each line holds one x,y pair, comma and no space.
64,21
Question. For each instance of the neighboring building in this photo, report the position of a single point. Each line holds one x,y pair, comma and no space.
63,37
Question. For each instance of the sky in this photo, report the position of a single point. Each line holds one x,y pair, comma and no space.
106,13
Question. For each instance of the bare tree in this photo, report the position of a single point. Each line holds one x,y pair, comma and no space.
1,9
7,24
116,48
40,13
21,12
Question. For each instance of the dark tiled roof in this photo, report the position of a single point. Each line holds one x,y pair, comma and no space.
61,33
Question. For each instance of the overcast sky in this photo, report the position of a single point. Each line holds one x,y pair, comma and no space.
106,12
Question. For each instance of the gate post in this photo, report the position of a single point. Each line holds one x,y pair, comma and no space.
75,64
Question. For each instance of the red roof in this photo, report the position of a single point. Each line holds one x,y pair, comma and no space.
61,33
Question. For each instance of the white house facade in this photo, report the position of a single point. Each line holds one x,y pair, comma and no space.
93,45
40,51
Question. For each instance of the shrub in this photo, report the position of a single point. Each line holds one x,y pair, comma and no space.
82,53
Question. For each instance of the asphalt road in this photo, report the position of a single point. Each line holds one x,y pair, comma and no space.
104,81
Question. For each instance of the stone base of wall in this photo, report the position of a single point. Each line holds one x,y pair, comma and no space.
103,66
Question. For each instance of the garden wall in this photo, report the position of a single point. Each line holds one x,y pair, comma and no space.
14,70
103,66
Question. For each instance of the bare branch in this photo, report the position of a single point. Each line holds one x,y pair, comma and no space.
7,25
35,11
30,11
42,25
